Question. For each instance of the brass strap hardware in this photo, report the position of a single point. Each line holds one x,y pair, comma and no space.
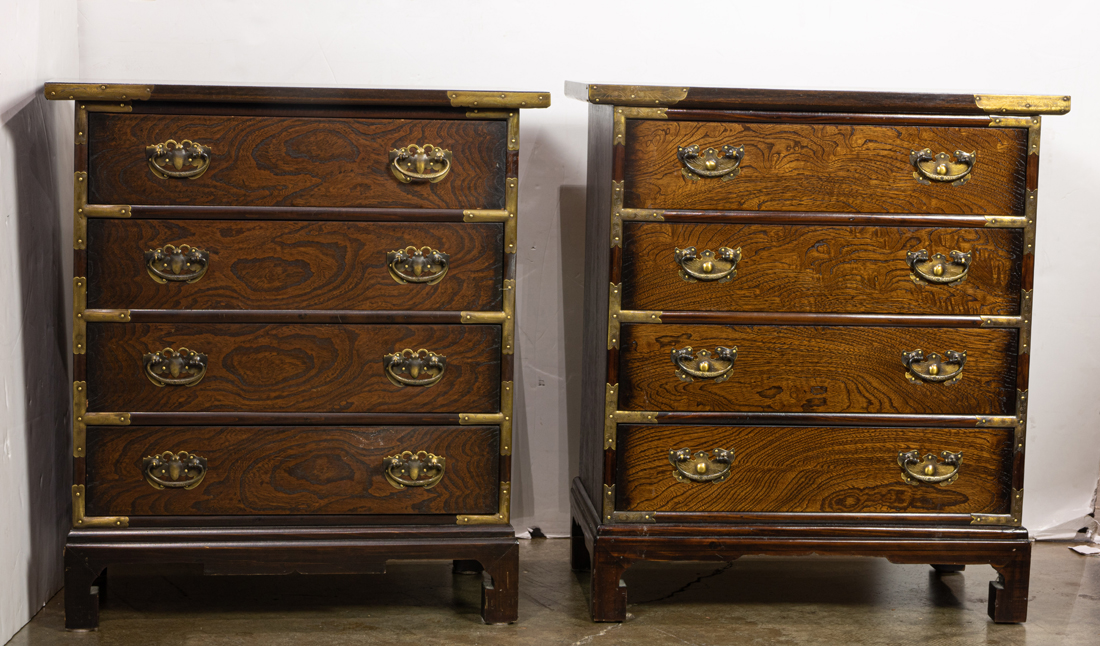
499,518
914,470
502,419
171,368
414,163
1022,104
938,269
84,107
618,126
508,330
467,99
167,160
608,502
169,264
82,210
97,92
414,469
1012,518
704,364
82,521
82,419
424,265
1005,221
82,316
610,408
939,168
699,467
710,163
170,470
708,266
482,318
636,94
945,369
414,367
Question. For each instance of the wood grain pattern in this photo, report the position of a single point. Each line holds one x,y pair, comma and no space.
799,167
294,265
292,470
271,161
294,368
790,268
818,370
808,469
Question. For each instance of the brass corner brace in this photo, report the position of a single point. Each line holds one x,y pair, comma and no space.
81,521
499,518
82,419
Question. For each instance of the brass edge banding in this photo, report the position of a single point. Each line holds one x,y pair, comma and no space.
1012,122
97,92
995,421
80,520
508,327
1022,104
80,301
634,516
610,407
485,215
1034,132
107,316
609,503
513,130
618,128
1012,518
616,214
640,316
642,215
636,94
1024,341
635,417
480,419
614,301
482,318
1005,222
1021,421
465,99
511,205
506,395
84,107
499,518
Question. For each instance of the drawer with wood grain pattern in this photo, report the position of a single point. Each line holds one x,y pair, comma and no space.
818,167
279,265
810,469
316,368
184,471
812,369
297,162
841,269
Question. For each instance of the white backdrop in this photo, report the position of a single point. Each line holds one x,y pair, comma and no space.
1009,48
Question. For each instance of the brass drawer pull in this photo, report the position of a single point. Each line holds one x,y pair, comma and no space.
169,470
414,163
703,364
700,467
423,265
699,164
929,470
946,369
171,368
708,266
168,159
938,269
939,167
414,367
169,264
419,469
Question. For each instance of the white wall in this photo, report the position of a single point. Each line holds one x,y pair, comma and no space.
1010,47
37,42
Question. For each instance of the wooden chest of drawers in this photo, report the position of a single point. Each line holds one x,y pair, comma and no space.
815,312
293,331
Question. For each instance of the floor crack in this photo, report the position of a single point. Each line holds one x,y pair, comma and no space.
599,634
690,583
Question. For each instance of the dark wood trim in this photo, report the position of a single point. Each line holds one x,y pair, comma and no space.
803,318
292,110
290,419
80,367
817,419
615,268
823,218
338,214
618,162
1032,171
837,518
283,520
512,164
844,118
346,317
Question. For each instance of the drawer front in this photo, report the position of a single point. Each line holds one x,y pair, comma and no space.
816,370
300,161
783,268
842,470
272,470
276,265
798,167
293,368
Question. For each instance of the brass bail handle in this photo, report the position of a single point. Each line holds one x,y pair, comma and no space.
939,168
169,367
170,470
415,164
935,368
938,268
414,469
170,264
709,163
423,266
409,367
167,160
929,470
700,467
704,364
708,266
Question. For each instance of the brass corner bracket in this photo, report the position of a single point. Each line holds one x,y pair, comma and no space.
639,95
81,521
82,210
500,518
82,419
502,419
1022,104
97,92
82,315
1012,518
466,99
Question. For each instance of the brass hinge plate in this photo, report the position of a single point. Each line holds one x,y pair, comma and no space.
500,518
484,100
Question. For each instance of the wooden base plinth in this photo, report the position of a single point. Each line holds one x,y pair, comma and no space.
304,550
609,549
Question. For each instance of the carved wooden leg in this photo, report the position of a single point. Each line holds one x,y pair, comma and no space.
578,552
464,566
947,569
500,595
1008,594
81,601
608,588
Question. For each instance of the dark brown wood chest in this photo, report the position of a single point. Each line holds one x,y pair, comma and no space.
807,329
293,331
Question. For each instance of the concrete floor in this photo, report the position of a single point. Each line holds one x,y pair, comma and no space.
769,601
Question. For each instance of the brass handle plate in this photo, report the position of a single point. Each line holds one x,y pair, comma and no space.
167,160
710,163
692,365
700,467
414,163
945,369
171,368
414,469
914,470
169,470
414,367
708,266
424,265
938,268
939,168
169,264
